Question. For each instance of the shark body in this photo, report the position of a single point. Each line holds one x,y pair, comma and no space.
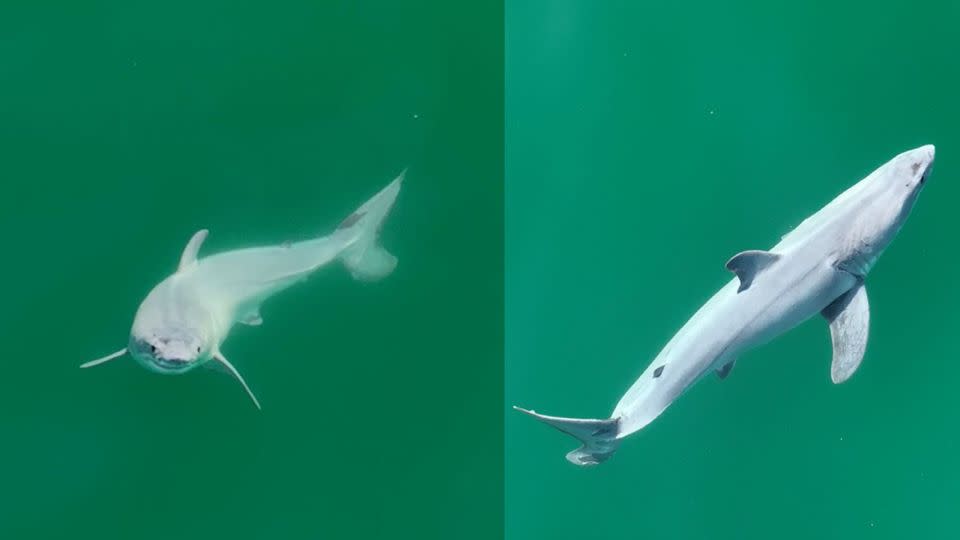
184,320
818,268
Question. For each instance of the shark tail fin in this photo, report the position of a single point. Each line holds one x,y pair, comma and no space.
599,437
365,258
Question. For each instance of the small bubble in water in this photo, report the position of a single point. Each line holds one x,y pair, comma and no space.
416,116
711,111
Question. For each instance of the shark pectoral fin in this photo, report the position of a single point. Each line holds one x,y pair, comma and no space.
105,359
747,264
849,318
222,360
189,255
725,369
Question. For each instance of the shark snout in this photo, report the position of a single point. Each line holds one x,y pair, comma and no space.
921,160
928,153
916,165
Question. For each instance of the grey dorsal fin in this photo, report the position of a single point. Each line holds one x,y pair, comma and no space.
849,318
189,255
747,264
725,369
219,357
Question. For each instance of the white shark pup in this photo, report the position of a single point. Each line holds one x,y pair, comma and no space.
185,319
818,268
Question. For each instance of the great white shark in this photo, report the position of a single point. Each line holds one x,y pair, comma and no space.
185,319
818,268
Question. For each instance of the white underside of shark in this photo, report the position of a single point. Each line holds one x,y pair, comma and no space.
818,268
185,319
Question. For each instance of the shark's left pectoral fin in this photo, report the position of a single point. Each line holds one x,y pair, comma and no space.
748,264
223,362
849,318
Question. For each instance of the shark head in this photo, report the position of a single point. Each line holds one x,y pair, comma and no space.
170,350
882,201
896,185
906,174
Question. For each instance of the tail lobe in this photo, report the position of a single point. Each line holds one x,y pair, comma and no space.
599,437
366,259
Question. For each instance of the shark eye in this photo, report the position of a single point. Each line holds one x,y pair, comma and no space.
153,349
198,349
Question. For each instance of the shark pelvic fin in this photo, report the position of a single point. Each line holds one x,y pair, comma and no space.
252,319
189,255
748,264
849,318
222,360
105,359
725,369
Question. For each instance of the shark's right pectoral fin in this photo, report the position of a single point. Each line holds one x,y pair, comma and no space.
105,359
849,318
747,264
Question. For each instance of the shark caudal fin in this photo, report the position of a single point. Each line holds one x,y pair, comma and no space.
366,259
599,437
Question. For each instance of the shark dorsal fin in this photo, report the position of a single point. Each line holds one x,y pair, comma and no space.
222,360
189,255
747,264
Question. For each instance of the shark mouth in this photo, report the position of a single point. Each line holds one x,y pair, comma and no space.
173,364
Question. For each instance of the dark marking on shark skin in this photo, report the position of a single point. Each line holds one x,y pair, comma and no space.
607,428
914,167
657,372
351,220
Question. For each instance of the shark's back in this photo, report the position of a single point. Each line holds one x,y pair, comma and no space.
244,278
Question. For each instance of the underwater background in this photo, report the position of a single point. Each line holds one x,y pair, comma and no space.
648,142
127,126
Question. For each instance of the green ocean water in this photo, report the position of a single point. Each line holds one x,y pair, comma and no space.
646,143
127,126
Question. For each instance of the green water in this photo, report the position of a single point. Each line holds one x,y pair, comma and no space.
643,144
125,127
646,143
